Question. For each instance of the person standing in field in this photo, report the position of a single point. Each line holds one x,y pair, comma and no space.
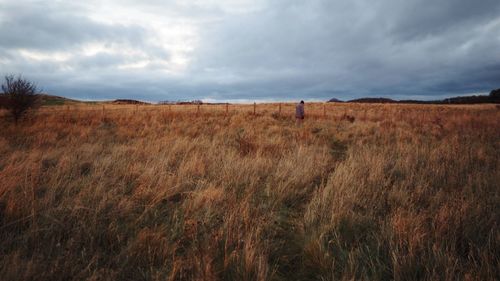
299,113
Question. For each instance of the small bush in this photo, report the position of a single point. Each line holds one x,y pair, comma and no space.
19,96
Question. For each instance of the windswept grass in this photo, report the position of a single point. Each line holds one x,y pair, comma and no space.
167,193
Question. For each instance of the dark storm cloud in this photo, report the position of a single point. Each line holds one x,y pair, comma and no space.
228,50
360,48
413,19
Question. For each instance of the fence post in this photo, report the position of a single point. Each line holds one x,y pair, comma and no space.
227,108
254,108
324,110
198,110
103,112
279,110
67,113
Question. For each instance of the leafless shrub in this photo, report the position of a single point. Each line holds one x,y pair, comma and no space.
19,96
348,118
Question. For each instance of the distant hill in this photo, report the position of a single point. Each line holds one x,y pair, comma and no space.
472,99
493,97
128,101
46,100
373,100
182,102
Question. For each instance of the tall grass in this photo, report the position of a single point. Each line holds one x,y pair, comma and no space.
165,193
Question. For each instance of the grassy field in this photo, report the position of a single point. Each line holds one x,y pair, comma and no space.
404,192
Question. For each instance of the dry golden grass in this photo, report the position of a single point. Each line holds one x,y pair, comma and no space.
405,192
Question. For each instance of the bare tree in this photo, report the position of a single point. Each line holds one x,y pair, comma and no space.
19,95
3,101
495,93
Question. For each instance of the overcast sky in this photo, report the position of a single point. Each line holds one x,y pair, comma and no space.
229,50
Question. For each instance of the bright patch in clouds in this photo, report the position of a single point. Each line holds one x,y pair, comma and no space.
44,56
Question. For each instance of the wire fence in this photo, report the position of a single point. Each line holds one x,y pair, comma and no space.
349,111
312,110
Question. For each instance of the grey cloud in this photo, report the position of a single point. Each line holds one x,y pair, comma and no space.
419,18
358,48
284,49
99,60
56,26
